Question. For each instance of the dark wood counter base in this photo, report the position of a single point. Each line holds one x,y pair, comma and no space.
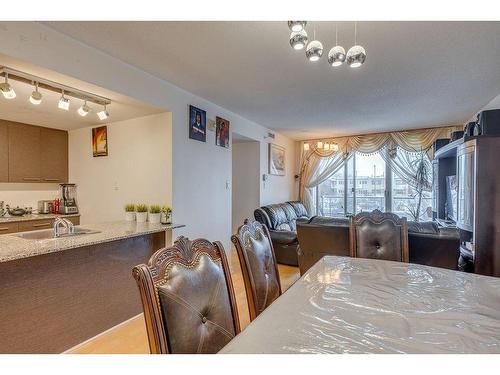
50,303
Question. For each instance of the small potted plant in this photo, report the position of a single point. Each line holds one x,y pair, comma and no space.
154,213
166,215
141,213
130,212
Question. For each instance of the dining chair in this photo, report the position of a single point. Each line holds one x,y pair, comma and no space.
379,235
258,265
188,298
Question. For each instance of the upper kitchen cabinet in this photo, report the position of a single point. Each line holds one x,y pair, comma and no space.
4,153
24,153
34,154
54,155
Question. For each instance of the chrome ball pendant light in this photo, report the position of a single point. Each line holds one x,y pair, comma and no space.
298,39
297,26
356,55
314,50
336,56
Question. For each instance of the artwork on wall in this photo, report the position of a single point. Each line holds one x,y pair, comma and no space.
197,124
100,141
222,132
276,160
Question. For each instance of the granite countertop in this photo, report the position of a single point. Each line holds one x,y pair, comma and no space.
13,247
16,219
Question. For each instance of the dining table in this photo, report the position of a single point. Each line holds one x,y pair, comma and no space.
355,305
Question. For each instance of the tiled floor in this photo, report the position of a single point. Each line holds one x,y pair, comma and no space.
131,337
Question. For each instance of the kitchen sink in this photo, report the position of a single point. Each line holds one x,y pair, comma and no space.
48,234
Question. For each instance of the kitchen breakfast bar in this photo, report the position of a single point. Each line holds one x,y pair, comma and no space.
58,292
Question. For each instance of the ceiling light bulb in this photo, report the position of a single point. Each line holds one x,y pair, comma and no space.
298,39
36,97
6,89
84,110
336,56
306,146
103,115
356,56
63,103
314,50
319,144
297,25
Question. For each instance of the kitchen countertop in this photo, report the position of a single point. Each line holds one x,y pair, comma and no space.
16,219
13,247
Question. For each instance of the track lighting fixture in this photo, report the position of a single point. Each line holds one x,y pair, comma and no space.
6,89
103,115
36,97
84,109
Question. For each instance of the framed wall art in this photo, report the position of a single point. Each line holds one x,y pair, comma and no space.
276,160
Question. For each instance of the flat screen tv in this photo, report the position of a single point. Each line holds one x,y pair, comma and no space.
451,198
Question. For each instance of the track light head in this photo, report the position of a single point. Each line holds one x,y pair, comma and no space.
6,89
63,102
84,109
103,115
36,97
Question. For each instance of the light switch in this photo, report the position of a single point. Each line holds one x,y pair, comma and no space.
228,185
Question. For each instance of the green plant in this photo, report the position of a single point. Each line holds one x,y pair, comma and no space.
130,207
154,209
422,177
166,209
141,208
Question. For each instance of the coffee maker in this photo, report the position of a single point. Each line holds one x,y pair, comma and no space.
67,193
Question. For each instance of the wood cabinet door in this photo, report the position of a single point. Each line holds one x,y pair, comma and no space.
4,153
54,155
24,153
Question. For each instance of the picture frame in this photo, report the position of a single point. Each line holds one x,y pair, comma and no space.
277,160
100,141
222,127
197,124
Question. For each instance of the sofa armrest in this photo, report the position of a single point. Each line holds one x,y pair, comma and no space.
283,236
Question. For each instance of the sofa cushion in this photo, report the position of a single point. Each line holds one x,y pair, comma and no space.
281,216
427,227
284,237
299,208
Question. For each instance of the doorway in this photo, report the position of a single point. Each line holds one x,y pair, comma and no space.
245,178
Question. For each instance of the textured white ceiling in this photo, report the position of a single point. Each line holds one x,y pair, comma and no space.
417,74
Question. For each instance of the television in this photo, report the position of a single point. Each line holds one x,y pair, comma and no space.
451,198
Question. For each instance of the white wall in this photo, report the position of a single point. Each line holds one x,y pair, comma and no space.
27,195
245,181
200,170
138,168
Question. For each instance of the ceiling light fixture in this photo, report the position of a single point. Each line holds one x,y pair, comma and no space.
103,115
336,56
36,97
297,25
298,39
356,55
63,102
7,90
84,109
314,49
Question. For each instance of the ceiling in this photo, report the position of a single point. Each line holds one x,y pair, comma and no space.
47,113
417,74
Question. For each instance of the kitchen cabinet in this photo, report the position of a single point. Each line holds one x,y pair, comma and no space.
8,228
4,153
25,226
31,153
24,153
54,155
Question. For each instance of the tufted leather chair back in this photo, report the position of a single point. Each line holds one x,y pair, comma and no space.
379,235
188,298
258,265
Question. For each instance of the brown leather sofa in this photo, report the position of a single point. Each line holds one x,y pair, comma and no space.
281,220
429,244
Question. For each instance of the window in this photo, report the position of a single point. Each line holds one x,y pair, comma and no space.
366,183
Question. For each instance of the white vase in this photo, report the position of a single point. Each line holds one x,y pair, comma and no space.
154,218
141,217
130,216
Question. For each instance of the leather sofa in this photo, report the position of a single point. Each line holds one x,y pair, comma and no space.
281,221
429,244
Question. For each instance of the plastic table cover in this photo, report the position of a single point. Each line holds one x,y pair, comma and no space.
353,305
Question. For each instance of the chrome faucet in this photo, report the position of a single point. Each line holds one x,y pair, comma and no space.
70,228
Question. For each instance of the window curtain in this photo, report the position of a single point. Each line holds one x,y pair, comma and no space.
318,165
